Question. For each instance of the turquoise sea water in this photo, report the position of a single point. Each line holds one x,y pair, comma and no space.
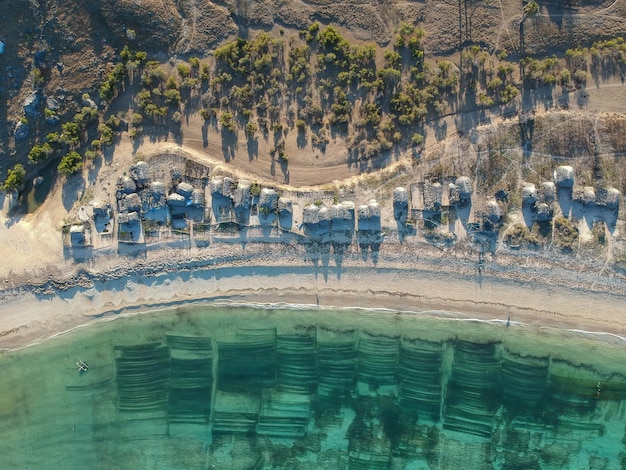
230,387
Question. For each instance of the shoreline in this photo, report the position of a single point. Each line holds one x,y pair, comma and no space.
269,275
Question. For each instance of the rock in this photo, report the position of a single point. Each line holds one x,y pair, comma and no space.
37,181
89,102
40,59
52,104
52,120
31,104
21,131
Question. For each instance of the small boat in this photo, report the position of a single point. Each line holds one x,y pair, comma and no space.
82,366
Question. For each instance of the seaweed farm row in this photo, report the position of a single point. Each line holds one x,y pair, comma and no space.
265,384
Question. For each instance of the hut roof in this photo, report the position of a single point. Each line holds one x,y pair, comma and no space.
184,189
268,198
310,214
543,212
529,194
197,198
241,194
140,172
127,217
374,208
176,200
216,184
77,229
464,187
324,214
564,177
589,195
100,208
610,198
130,203
343,210
285,204
400,195
228,186
126,185
493,211
158,189
364,212
548,191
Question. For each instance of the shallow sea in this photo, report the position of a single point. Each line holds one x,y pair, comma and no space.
295,387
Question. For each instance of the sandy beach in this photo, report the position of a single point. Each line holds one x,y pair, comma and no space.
401,280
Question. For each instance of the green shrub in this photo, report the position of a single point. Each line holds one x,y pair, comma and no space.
70,163
15,178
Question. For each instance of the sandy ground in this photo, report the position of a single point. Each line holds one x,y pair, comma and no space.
270,274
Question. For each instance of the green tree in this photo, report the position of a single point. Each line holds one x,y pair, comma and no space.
531,9
15,178
70,163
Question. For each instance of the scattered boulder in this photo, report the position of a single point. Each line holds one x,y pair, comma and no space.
52,104
31,104
21,131
184,189
53,120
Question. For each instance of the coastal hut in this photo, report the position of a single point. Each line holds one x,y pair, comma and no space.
126,185
158,192
310,214
77,235
176,200
268,199
589,196
101,210
228,186
564,177
609,198
216,185
529,194
241,194
493,211
197,198
130,203
400,203
374,209
285,212
177,174
548,191
464,188
543,212
433,195
140,173
184,189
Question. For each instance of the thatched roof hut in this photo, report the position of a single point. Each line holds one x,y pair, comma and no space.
140,172
158,189
564,177
216,185
285,205
126,185
548,191
197,198
543,212
175,200
493,211
310,214
228,186
464,187
176,174
374,208
589,195
184,189
400,195
241,194
609,198
130,203
77,235
100,208
268,199
529,194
